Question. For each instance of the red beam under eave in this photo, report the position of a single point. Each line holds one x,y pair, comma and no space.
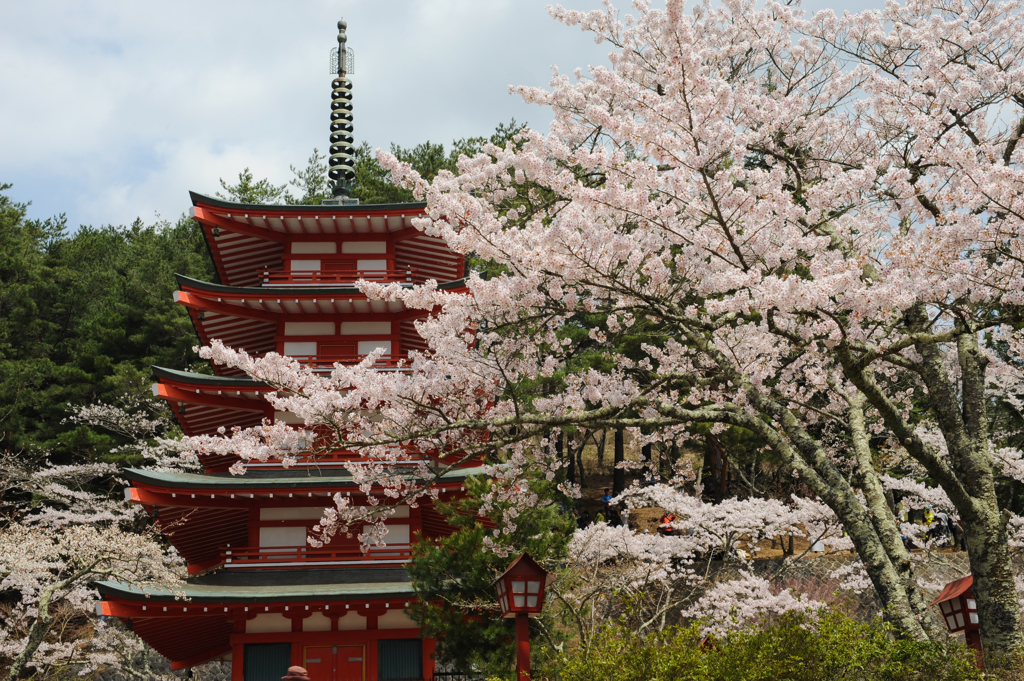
335,213
192,300
117,606
222,497
169,392
190,498
202,303
206,217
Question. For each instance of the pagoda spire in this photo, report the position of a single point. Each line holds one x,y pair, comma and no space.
341,170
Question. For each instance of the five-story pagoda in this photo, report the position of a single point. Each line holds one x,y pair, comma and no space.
259,595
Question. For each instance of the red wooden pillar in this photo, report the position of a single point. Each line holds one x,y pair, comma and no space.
522,647
428,657
237,661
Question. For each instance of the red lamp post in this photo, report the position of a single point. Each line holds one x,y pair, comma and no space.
521,595
960,611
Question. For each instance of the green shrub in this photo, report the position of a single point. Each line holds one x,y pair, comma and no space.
794,647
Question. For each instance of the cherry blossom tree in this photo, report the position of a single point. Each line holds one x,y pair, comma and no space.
63,531
52,570
808,225
662,577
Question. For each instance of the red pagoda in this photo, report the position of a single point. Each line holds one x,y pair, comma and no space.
259,596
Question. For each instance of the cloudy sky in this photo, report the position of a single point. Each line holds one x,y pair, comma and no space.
114,110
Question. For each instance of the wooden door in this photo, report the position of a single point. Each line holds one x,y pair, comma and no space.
335,663
350,664
320,663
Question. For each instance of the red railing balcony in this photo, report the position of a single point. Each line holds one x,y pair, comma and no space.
336,277
308,556
327,362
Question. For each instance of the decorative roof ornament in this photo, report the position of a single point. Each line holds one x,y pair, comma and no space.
341,151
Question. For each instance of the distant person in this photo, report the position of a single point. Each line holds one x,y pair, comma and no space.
941,529
666,527
607,512
296,674
959,537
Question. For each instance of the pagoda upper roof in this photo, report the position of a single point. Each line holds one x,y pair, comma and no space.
406,207
248,241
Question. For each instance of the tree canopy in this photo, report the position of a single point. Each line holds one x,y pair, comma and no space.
83,315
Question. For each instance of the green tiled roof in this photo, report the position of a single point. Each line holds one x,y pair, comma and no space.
267,593
205,379
267,478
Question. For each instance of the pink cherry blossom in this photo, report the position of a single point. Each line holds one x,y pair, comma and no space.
813,221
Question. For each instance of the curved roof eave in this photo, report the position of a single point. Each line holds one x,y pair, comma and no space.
205,379
295,478
261,291
210,593
258,290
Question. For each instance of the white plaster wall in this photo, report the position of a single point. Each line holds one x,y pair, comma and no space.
359,247
351,622
267,623
317,622
299,247
395,619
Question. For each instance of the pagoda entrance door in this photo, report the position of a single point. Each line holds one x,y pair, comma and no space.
336,663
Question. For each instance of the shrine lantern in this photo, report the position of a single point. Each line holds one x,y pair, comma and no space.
960,610
521,595
521,587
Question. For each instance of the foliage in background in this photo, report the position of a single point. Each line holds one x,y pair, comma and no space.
250,190
83,315
794,647
373,182
454,579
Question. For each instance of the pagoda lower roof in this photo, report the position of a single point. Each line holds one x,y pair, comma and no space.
275,586
200,627
269,478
